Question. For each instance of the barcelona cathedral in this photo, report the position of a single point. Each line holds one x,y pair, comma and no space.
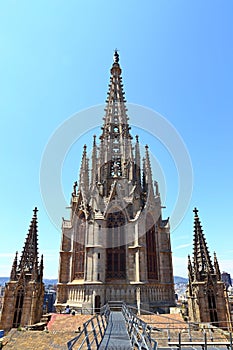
116,244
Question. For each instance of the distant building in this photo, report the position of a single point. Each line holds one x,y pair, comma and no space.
2,288
116,245
226,278
24,293
49,300
206,294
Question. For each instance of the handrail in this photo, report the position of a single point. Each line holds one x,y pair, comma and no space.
139,331
97,330
205,343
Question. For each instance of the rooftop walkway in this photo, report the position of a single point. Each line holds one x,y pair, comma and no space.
116,336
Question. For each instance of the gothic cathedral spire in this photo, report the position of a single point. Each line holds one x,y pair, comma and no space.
202,261
116,146
24,293
206,293
29,257
115,234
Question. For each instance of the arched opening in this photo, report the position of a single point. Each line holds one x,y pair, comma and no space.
152,269
116,251
212,308
97,304
18,308
78,243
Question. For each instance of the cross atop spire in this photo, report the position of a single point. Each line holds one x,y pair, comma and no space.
195,210
35,210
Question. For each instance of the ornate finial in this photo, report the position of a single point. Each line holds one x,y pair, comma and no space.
35,211
74,188
84,147
136,138
116,56
146,147
94,140
195,210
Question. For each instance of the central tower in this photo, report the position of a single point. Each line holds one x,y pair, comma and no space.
116,246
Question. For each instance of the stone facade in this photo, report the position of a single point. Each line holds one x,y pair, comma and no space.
23,297
116,246
207,295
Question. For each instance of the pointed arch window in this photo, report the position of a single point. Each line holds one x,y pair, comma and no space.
79,248
18,307
212,307
116,251
152,269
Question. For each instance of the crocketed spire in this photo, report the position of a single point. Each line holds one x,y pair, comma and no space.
29,257
116,139
202,260
84,172
13,275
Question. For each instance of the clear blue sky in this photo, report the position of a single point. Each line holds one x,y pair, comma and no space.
176,58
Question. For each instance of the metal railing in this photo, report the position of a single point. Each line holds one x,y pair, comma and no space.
208,339
204,344
147,335
93,331
139,331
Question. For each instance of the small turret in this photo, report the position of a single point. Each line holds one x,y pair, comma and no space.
13,275
94,163
147,173
137,162
40,277
84,172
216,267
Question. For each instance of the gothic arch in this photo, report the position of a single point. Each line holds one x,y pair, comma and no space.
116,248
79,247
18,307
152,264
212,307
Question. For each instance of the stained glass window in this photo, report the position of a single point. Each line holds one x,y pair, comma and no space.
116,252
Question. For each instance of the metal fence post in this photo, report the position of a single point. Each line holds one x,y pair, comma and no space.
99,325
205,339
94,332
86,335
179,340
